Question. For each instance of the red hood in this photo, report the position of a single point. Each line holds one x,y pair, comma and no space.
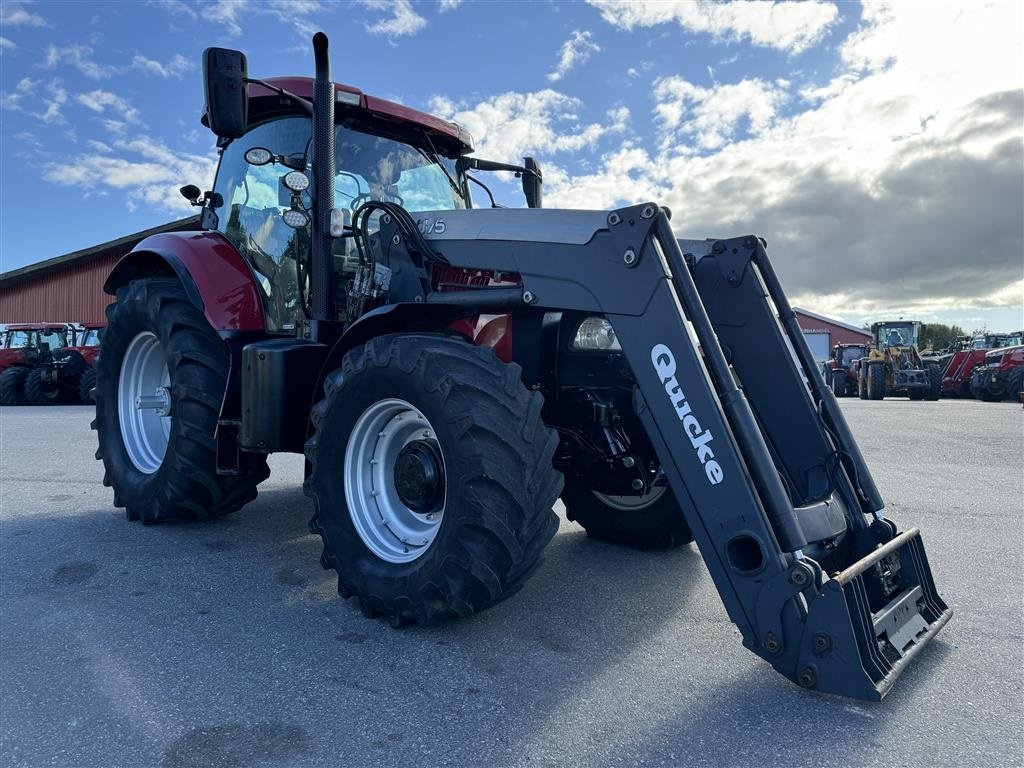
9,357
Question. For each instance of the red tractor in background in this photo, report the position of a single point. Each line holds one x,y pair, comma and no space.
956,379
27,345
1001,377
841,368
47,363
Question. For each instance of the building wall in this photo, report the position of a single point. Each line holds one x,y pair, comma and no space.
837,333
71,294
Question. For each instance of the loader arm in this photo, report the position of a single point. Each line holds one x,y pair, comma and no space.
763,465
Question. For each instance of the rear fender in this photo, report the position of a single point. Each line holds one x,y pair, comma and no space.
216,278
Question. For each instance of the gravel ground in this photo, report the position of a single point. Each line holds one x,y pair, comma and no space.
225,644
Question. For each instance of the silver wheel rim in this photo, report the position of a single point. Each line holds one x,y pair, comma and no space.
144,402
631,503
386,524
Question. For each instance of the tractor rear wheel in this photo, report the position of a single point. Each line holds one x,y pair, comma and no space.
431,476
1015,385
12,385
159,385
654,521
876,381
39,392
839,383
862,384
85,386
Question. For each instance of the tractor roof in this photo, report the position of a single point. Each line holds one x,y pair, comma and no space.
263,101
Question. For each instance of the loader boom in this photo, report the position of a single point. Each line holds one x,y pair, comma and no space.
769,477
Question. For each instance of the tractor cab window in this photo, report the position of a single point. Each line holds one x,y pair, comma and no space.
18,340
254,199
52,339
896,335
90,338
852,353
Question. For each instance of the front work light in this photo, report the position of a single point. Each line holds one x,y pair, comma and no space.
295,219
597,335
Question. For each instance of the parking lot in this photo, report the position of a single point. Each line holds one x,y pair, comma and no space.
226,644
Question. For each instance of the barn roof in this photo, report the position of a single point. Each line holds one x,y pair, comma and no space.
92,253
831,320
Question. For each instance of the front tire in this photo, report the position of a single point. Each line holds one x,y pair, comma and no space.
462,498
654,521
839,383
159,384
39,392
85,386
876,381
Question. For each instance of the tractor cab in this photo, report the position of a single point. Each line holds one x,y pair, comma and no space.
891,334
262,201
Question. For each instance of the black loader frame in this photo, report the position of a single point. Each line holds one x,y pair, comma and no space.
779,498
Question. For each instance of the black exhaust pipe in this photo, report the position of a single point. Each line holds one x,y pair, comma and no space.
322,269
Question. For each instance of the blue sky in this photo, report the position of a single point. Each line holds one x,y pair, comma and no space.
877,150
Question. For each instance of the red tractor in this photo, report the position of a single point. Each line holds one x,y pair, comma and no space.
1001,377
26,346
841,368
956,379
449,372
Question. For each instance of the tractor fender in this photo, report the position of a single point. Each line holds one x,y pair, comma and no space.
216,278
406,317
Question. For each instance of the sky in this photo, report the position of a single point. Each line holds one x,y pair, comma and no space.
878,147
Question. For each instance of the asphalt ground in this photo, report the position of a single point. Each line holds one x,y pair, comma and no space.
225,644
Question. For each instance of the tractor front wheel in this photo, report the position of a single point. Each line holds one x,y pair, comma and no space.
839,383
85,386
431,476
38,391
876,381
652,521
934,382
159,385
12,385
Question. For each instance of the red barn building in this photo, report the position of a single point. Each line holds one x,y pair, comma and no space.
822,333
69,288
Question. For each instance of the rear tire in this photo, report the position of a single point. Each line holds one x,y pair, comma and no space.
657,525
491,465
164,467
876,381
39,392
12,386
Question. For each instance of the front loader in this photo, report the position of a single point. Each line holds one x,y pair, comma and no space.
449,372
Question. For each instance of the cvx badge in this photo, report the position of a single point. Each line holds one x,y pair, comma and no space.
431,226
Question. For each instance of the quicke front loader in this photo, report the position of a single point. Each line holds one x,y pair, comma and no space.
449,372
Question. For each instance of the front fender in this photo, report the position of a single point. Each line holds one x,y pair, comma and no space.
216,278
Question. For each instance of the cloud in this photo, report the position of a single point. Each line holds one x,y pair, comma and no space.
6,45
145,170
13,14
448,5
512,124
574,51
175,67
896,185
788,25
403,19
100,101
225,13
713,115
79,57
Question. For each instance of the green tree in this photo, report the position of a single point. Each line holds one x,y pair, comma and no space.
938,336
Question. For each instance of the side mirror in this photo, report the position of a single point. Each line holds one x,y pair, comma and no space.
227,104
533,182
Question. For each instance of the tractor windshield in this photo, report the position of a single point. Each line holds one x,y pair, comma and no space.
90,338
850,354
896,334
17,339
369,167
